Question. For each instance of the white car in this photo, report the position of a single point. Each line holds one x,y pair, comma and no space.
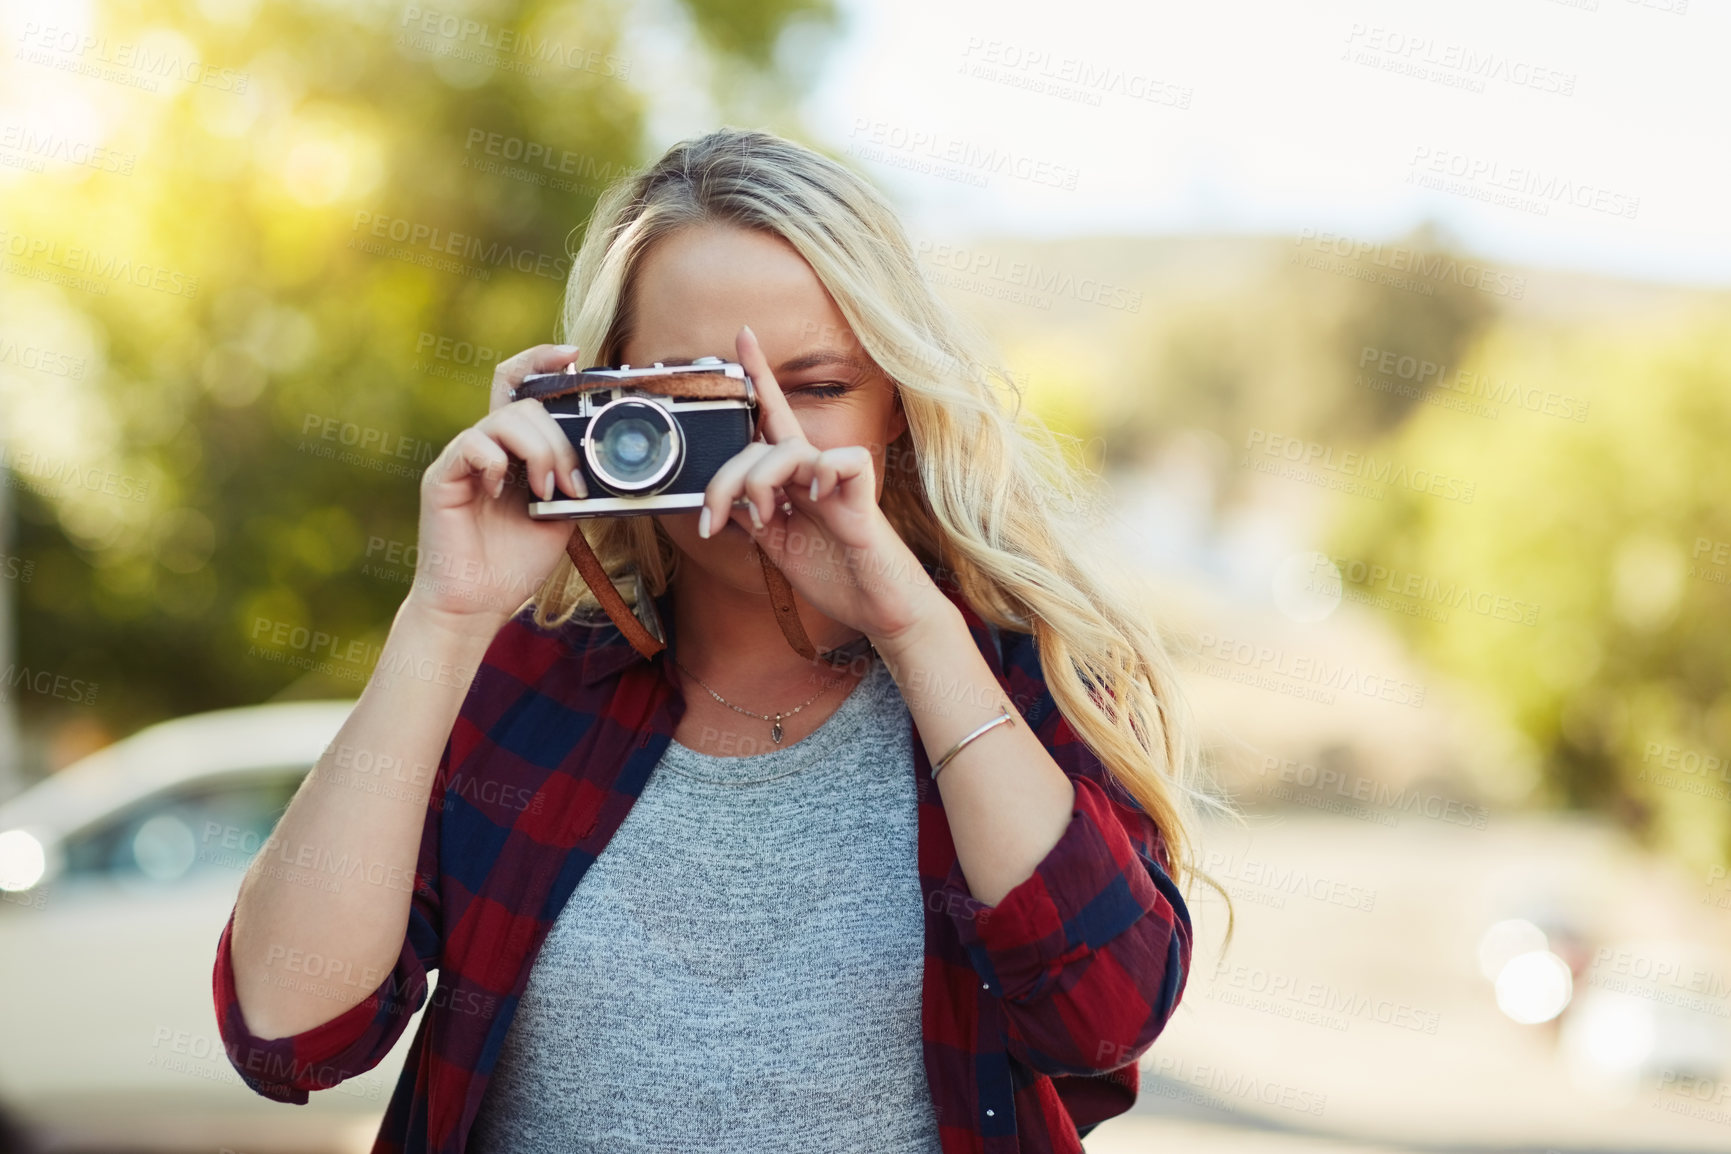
116,877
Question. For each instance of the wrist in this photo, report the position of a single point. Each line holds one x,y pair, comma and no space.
461,631
936,624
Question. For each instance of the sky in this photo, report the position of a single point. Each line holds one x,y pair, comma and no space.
1575,134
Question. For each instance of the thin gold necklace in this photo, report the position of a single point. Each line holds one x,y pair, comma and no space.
775,730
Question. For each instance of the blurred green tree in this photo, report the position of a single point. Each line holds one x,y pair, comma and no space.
357,209
1288,354
1600,472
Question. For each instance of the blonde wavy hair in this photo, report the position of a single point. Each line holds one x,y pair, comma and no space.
973,485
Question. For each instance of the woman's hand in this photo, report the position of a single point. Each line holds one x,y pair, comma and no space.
836,547
481,555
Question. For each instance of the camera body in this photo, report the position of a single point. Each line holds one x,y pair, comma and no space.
648,439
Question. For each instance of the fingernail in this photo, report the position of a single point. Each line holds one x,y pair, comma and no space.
500,487
750,334
566,350
549,486
814,488
756,522
578,485
703,523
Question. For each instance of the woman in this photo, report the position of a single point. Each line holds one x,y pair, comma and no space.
714,898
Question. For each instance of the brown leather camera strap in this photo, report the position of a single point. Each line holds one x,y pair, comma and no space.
695,386
780,599
786,613
594,576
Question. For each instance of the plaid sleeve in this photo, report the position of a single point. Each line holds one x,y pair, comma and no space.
1090,952
357,1039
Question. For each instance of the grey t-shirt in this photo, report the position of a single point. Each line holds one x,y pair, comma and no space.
740,970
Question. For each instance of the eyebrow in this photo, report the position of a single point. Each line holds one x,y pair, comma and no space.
800,363
812,360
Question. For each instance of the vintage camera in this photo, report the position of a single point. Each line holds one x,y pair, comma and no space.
648,439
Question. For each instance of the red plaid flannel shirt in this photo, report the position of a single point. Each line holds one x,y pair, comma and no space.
1034,1011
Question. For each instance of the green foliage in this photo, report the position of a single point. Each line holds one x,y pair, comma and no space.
370,209
1584,591
749,29
1616,527
1284,354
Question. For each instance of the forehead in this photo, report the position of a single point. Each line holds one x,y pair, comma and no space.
696,287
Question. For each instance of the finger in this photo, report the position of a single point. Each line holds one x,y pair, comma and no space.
510,372
471,453
728,483
773,470
775,420
845,471
529,442
567,474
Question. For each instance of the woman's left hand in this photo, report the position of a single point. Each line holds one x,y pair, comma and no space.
836,547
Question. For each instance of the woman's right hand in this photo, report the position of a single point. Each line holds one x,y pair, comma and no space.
481,554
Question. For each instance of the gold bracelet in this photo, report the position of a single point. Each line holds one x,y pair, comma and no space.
957,748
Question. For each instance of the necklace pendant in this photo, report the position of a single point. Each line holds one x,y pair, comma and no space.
775,730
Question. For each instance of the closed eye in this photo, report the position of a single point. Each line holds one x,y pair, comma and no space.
823,391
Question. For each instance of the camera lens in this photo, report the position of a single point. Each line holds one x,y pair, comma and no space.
633,446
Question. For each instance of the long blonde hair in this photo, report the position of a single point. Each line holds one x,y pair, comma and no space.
973,485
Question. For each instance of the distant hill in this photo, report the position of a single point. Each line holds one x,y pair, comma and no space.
985,275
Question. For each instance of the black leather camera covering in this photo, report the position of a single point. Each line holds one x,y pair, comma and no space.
712,437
